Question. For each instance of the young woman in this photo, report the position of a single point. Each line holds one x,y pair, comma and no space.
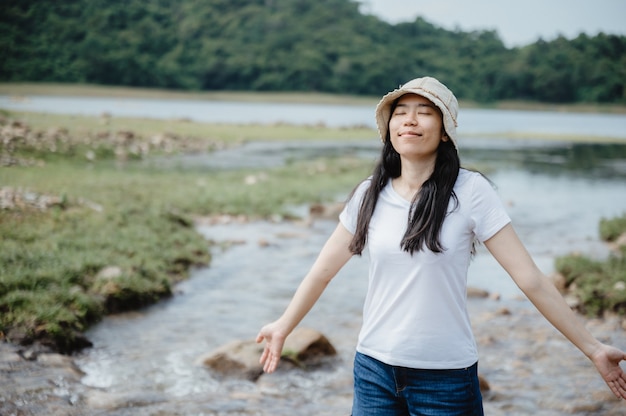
419,215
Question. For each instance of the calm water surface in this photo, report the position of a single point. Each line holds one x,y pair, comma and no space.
471,121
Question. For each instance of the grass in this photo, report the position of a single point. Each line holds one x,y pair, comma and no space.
89,126
117,234
599,285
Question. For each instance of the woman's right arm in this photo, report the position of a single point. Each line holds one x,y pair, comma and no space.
333,256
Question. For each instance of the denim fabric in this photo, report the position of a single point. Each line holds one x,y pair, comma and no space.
385,390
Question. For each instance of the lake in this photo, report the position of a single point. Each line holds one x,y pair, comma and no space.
471,121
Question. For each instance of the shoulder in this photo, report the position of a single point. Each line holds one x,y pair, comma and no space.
475,188
361,188
467,180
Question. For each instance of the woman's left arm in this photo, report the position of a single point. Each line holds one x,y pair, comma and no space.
509,251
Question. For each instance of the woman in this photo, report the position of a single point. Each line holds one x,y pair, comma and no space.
419,215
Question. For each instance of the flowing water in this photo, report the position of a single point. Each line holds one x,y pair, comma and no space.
148,358
145,362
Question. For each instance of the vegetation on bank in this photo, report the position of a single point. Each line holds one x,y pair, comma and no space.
86,236
292,45
600,286
91,224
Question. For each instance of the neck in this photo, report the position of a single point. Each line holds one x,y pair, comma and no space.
412,176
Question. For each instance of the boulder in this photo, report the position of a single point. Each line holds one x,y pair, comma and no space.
326,211
483,384
236,359
303,347
306,345
474,292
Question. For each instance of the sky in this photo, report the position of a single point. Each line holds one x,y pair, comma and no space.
517,23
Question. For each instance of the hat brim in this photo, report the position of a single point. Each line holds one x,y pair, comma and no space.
383,112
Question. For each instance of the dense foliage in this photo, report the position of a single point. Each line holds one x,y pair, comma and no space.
291,45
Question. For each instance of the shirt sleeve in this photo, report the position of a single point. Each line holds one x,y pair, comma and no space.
349,214
488,213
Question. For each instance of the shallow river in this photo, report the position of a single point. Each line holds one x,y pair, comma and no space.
146,361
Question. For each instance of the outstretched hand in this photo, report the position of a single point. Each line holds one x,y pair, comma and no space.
607,360
274,341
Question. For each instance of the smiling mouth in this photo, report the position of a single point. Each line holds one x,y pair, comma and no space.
409,133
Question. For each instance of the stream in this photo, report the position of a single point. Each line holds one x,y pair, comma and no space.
145,362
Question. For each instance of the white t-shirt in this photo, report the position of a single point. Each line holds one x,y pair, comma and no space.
415,313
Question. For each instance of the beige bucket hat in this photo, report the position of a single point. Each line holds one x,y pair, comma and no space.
427,87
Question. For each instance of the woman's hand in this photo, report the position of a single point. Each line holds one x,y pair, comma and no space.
274,341
333,256
607,359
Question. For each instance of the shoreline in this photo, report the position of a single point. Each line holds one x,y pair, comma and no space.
19,90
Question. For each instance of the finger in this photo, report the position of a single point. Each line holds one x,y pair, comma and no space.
618,387
259,338
268,368
621,385
266,352
273,363
612,385
619,392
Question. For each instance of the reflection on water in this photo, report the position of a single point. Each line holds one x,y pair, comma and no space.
546,157
584,159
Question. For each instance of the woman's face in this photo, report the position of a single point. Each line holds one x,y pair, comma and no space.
416,127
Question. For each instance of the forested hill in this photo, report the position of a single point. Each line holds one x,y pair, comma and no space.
291,45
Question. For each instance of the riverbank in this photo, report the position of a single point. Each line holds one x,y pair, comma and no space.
88,230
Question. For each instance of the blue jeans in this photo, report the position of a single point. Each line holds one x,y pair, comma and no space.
385,390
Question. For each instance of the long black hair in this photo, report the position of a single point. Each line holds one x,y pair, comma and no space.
429,206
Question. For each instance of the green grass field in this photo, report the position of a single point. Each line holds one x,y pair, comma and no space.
113,212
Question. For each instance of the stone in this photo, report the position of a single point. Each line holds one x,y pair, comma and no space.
307,344
304,346
483,384
473,292
237,359
503,311
109,272
325,211
495,296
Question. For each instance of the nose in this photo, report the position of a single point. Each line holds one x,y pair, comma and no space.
411,118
